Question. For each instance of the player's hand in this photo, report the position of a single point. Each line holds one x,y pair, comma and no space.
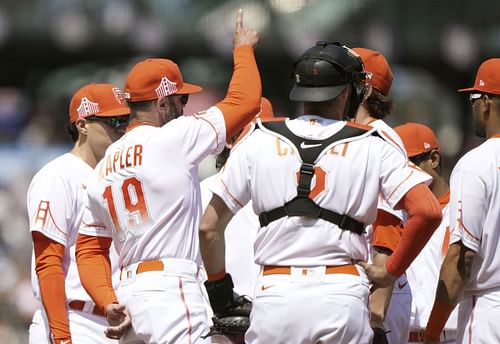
118,319
244,36
378,275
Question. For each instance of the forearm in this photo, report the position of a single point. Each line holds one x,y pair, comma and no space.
94,268
424,216
380,298
53,294
212,244
454,274
48,266
242,101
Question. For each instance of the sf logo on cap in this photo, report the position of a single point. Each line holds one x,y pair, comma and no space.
87,107
166,87
118,95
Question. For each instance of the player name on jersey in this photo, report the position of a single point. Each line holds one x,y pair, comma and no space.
127,157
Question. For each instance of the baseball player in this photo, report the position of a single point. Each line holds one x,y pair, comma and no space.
422,148
314,181
241,230
469,273
98,115
388,313
145,196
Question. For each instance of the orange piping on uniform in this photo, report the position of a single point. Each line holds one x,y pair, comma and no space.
229,193
397,187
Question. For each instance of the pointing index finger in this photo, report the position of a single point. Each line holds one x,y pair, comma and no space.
239,20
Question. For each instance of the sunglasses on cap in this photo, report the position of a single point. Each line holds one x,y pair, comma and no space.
418,159
113,122
475,96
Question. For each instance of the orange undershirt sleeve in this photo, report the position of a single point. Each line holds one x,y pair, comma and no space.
424,216
48,259
387,230
242,101
94,268
437,320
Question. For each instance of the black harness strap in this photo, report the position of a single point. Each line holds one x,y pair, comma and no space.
302,205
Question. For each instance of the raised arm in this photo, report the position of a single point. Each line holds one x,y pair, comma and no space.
242,100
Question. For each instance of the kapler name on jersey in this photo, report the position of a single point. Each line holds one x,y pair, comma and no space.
127,157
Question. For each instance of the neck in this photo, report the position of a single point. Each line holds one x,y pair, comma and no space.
439,186
324,109
363,117
84,152
145,117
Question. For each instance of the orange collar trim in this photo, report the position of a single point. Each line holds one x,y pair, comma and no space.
497,136
444,200
135,125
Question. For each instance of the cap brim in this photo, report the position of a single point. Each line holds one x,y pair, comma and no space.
315,94
123,111
469,89
189,88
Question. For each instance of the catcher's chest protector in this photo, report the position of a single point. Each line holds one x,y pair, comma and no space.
309,150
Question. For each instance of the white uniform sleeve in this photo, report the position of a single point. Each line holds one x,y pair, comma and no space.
468,207
233,183
198,135
397,176
92,219
49,208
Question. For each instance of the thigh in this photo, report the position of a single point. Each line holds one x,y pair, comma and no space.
287,311
166,309
88,328
479,315
397,319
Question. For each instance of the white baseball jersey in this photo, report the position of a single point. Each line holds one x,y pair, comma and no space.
475,211
349,175
423,274
239,237
56,200
145,192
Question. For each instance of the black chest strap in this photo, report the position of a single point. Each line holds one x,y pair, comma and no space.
302,205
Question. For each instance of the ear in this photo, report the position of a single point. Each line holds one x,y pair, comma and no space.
435,158
81,125
162,105
368,92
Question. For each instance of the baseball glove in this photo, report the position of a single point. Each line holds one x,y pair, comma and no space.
235,322
379,336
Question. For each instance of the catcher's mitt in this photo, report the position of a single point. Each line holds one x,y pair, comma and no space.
379,336
235,321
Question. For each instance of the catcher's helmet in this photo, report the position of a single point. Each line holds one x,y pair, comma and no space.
324,70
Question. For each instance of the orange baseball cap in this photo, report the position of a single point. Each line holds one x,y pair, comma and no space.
417,138
487,78
377,64
104,100
154,78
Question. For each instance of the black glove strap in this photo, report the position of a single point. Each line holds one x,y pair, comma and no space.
220,294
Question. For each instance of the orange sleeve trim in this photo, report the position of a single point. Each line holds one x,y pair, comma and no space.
387,230
399,185
242,101
437,320
211,124
217,276
94,268
230,195
48,265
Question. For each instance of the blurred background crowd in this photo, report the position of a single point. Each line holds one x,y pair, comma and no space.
50,48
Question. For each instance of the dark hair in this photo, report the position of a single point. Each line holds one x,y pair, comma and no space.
221,158
379,105
72,131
